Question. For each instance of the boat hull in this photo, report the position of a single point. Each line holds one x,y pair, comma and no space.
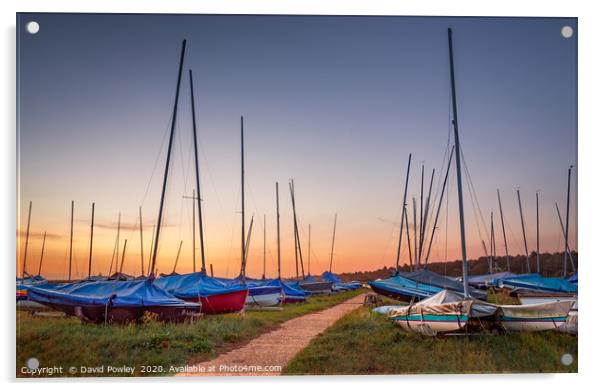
317,287
222,303
431,324
264,300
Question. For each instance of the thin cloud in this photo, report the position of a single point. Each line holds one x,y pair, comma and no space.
39,235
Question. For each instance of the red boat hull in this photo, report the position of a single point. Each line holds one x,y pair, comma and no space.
223,303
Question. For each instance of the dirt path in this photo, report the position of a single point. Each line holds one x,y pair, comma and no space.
267,354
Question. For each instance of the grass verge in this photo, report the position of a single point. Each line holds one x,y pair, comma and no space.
367,343
66,342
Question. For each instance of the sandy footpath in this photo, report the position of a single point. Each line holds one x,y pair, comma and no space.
267,354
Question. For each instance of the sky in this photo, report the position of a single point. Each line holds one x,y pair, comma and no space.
337,103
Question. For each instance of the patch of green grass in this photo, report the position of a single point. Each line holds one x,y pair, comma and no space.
363,342
68,343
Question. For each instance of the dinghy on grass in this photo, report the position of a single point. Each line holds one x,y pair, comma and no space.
449,312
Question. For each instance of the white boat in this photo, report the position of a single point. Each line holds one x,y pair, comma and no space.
448,312
571,324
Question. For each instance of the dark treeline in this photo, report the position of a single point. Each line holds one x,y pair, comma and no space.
551,266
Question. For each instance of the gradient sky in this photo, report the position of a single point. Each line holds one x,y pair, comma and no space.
337,103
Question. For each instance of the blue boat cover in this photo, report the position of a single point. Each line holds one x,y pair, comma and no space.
195,285
485,280
337,284
404,287
573,278
537,283
427,277
120,293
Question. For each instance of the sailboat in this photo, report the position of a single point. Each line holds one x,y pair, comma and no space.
116,301
215,295
447,311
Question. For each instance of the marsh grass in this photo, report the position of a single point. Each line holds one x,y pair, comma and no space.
364,342
68,343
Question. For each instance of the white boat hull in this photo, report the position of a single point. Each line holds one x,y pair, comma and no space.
265,300
431,328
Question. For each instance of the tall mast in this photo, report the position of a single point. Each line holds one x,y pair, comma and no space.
91,239
537,229
296,226
309,251
419,256
141,242
334,231
263,275
403,215
566,231
26,241
458,167
150,255
242,199
522,222
71,240
169,148
278,226
125,244
428,251
492,243
499,200
42,255
198,181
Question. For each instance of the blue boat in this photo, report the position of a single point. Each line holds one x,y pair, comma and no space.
485,281
113,300
535,282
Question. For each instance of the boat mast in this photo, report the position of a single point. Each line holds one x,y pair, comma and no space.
242,185
198,182
115,256
428,251
71,240
419,256
522,222
403,216
426,214
26,241
416,260
91,239
408,236
165,175
537,229
263,275
125,244
563,233
248,243
499,200
566,231
193,233
177,257
42,255
334,231
458,167
278,226
141,241
492,244
309,251
296,230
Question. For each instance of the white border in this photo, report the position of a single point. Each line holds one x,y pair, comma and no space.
590,150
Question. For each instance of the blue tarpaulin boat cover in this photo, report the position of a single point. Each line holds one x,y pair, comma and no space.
425,276
401,286
195,285
485,280
537,283
119,293
573,278
337,284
